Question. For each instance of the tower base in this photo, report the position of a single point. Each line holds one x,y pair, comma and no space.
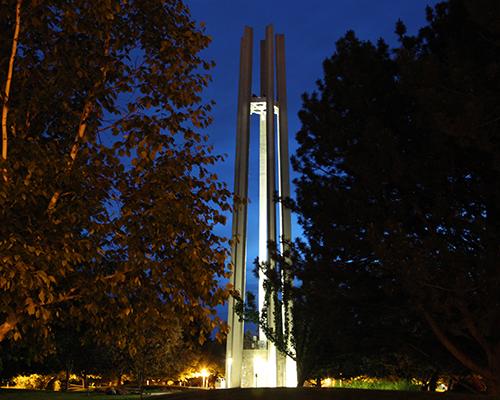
256,371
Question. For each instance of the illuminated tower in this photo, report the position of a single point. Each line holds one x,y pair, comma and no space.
269,366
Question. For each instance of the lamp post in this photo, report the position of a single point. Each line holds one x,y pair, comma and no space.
204,375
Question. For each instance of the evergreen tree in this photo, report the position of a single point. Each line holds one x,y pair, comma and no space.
399,164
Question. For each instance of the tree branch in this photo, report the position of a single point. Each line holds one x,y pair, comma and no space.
62,299
491,121
82,127
5,108
473,330
454,350
439,287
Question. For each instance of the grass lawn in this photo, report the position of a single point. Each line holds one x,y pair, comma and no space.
19,394
248,394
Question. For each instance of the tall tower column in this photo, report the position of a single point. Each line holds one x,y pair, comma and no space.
234,346
268,63
262,213
290,366
261,112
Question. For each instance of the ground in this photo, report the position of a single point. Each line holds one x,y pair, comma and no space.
250,394
316,394
19,394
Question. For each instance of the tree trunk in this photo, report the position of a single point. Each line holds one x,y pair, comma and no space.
141,382
6,94
65,387
493,382
432,383
493,386
459,354
301,378
116,378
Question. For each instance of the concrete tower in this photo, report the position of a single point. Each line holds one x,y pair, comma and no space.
263,366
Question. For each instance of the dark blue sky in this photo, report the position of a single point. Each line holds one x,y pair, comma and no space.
311,29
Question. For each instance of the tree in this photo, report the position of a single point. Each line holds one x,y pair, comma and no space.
107,200
156,357
209,357
348,320
399,163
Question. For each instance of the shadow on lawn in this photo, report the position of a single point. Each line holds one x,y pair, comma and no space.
316,394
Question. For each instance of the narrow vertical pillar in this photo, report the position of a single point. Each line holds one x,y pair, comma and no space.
263,68
290,366
234,348
262,215
283,157
271,189
262,188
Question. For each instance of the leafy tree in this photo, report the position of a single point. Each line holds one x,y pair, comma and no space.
156,357
399,163
107,202
210,356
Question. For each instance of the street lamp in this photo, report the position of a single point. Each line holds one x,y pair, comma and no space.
205,374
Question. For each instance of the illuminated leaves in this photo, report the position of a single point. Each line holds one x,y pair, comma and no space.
131,236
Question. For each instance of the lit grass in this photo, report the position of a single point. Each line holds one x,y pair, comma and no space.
381,385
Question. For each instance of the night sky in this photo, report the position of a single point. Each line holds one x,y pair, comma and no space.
311,29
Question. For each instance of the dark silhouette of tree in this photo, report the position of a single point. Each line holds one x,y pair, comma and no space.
348,320
398,194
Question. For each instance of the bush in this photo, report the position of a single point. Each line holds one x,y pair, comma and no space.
33,381
365,382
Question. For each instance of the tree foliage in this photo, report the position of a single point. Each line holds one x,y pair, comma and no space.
399,164
107,201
